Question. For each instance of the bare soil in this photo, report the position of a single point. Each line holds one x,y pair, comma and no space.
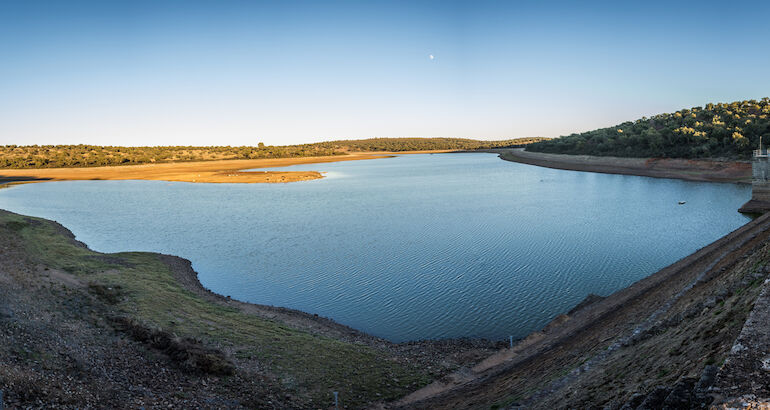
691,170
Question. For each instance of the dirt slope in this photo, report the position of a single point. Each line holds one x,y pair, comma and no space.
692,170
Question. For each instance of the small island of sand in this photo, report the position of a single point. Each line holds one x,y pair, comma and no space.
224,171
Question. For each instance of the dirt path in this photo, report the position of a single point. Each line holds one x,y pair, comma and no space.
691,170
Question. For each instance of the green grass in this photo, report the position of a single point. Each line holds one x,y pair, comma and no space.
143,287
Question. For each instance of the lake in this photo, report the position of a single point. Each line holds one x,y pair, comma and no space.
410,247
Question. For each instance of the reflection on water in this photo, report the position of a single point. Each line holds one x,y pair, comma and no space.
417,246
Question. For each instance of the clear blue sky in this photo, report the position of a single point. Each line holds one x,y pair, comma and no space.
241,72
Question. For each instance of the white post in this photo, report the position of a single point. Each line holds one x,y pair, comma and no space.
336,401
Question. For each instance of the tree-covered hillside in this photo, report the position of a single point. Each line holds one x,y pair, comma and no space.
54,156
725,130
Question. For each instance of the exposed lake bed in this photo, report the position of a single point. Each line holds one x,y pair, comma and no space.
406,248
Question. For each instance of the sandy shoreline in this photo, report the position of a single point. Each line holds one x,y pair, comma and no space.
691,170
222,171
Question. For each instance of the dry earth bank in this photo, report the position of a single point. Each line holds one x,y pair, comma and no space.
692,170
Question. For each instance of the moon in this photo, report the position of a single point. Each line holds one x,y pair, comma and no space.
431,56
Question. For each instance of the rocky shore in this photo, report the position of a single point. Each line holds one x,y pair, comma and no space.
667,341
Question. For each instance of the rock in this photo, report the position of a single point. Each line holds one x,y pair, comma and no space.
707,378
721,295
6,312
681,396
737,348
654,399
710,303
765,362
633,402
744,283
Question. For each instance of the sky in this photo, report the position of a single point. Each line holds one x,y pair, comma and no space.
287,72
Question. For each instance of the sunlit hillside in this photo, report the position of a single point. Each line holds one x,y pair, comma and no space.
724,130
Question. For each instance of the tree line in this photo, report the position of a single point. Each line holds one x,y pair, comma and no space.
722,130
59,156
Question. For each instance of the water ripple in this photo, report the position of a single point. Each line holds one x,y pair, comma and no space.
420,246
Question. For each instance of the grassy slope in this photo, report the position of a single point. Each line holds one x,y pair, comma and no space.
309,365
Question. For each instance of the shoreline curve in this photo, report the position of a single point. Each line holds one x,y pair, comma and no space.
675,168
219,171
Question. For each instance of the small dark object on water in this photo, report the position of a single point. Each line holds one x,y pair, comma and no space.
682,202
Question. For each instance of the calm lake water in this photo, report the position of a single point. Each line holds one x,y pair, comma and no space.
411,247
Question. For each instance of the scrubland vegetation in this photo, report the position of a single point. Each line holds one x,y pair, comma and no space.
723,130
423,144
56,156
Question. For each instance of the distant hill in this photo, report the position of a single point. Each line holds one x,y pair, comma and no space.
56,156
424,144
724,130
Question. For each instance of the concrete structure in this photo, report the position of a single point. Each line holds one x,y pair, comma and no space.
760,182
760,172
